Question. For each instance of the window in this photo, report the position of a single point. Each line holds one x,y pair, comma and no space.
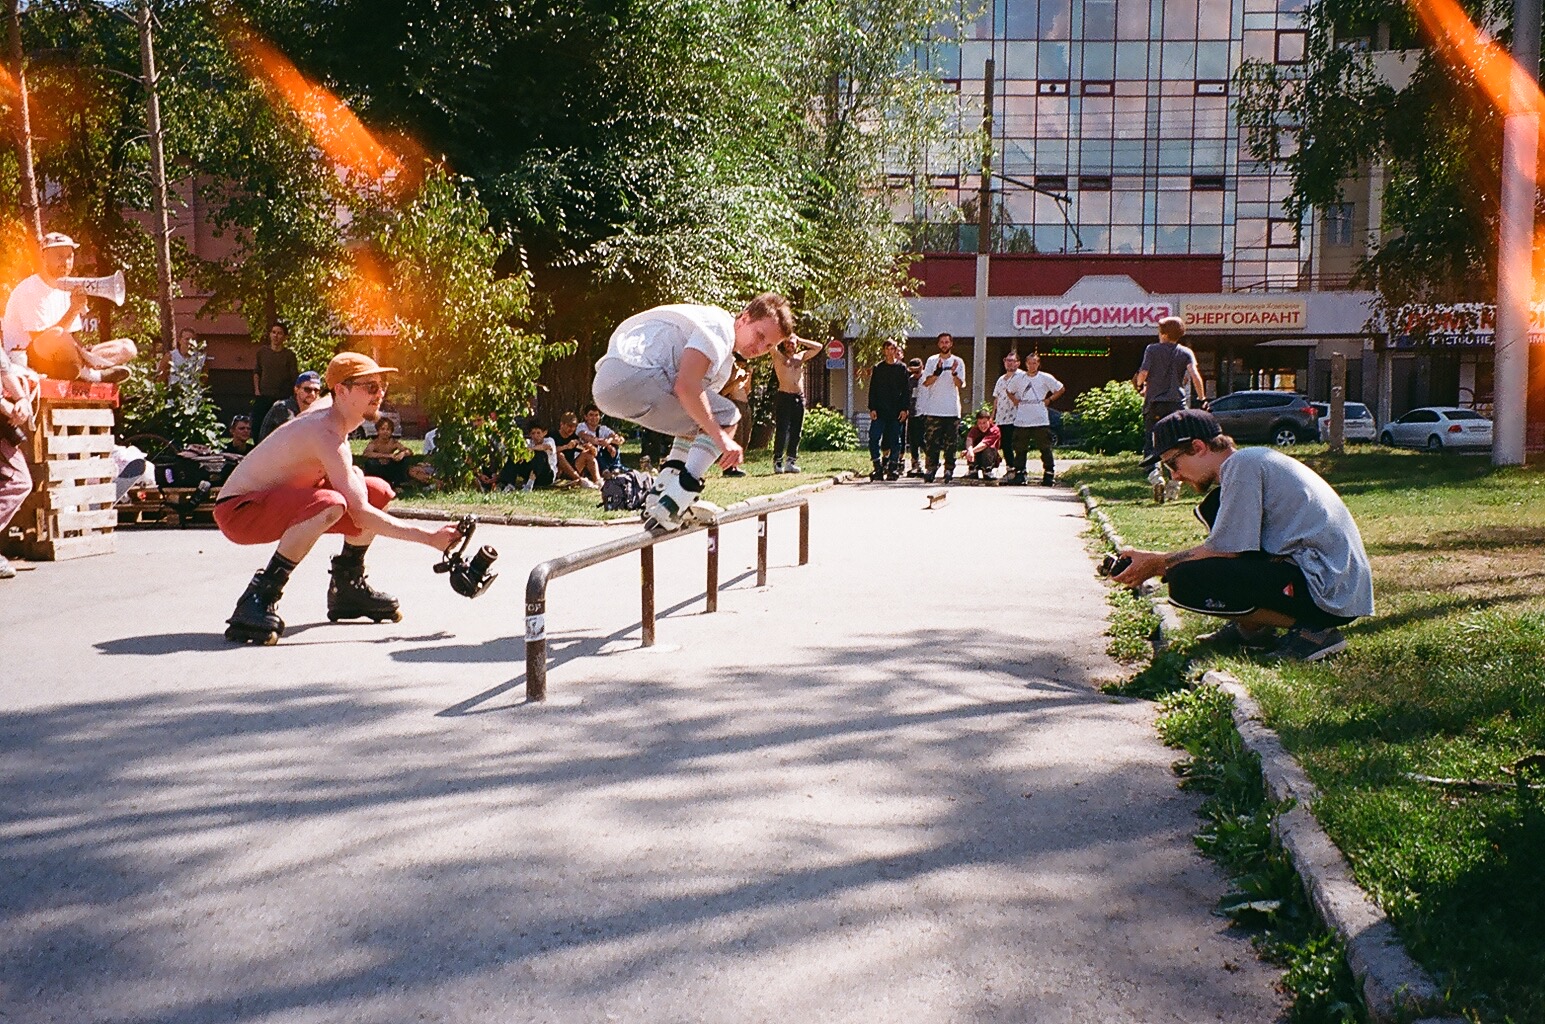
1052,182
1211,87
1228,403
1338,224
1282,233
1207,183
1094,183
1292,45
1051,88
1099,87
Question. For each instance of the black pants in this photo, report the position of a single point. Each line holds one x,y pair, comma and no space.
885,435
1153,412
917,427
941,436
1040,437
514,474
655,446
788,422
1012,456
1252,580
260,406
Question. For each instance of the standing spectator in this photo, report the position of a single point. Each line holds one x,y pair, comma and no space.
384,456
15,479
1007,393
982,444
788,361
607,442
1032,420
41,320
539,466
915,423
938,401
738,390
271,377
890,395
653,447
1281,550
241,435
307,389
1168,366
576,462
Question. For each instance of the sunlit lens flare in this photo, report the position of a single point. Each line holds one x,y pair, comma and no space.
364,298
330,122
1460,42
8,87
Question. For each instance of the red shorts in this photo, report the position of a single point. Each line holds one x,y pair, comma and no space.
262,517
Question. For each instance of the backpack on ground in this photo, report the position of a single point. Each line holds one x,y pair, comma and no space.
625,491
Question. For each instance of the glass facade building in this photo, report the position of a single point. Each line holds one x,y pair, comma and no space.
1124,108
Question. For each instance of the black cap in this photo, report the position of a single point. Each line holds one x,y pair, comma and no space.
1177,428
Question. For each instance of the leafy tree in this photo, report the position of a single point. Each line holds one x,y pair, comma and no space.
1439,135
179,409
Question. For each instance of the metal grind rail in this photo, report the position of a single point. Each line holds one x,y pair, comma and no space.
644,543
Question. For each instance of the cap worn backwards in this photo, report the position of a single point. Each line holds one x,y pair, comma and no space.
1178,428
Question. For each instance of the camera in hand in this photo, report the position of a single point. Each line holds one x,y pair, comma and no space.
1113,565
469,578
12,434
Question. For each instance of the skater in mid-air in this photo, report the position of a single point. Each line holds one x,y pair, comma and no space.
664,369
299,483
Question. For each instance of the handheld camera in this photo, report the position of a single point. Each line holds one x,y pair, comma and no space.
468,578
1111,565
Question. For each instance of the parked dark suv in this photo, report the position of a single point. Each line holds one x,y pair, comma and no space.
1276,417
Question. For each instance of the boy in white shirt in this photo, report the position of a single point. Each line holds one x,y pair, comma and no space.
1032,421
664,369
1007,393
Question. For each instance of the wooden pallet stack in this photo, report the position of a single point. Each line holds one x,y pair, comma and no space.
70,512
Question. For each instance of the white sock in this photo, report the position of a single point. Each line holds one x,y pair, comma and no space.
680,449
703,454
90,373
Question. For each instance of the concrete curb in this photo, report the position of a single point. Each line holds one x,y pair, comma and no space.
435,515
1395,987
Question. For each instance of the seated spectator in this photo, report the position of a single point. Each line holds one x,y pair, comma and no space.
982,444
576,456
422,474
486,471
241,435
429,440
537,469
1282,551
607,442
384,456
308,388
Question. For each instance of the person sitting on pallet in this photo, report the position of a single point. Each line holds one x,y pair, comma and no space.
1282,549
664,369
41,319
299,483
15,478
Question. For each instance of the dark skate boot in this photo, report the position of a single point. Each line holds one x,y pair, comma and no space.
350,595
255,620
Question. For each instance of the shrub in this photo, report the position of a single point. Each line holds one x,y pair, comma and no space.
1112,418
827,430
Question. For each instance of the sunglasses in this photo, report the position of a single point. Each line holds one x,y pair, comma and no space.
312,389
1169,463
370,387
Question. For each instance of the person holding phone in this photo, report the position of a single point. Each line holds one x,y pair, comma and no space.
938,402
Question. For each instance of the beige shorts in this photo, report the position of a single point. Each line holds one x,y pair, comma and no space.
645,396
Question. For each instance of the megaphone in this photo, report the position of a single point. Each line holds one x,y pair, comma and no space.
111,287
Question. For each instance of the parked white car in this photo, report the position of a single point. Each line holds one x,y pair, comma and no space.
1438,427
1360,425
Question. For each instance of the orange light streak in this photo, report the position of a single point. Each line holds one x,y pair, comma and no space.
1462,44
331,124
364,297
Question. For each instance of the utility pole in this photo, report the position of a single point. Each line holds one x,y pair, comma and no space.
983,247
1515,250
161,228
31,209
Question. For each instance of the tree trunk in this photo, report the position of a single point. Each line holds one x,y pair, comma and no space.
31,210
161,229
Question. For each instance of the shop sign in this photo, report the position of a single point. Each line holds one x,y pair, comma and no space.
1457,325
1074,351
1250,315
1094,317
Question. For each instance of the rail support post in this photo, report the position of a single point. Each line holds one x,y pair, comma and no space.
646,611
761,550
536,650
711,588
804,535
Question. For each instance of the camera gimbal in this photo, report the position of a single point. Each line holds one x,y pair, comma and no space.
468,578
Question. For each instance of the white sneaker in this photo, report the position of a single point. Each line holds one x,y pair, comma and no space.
1172,490
6,570
589,484
1155,476
667,501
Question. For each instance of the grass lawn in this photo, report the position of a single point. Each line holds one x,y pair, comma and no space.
578,503
1448,679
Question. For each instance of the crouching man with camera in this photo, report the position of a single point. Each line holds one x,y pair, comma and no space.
1282,550
299,483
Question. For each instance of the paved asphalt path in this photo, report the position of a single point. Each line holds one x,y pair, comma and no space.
884,788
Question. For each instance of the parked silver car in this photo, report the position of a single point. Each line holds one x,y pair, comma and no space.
1360,424
1276,417
1438,427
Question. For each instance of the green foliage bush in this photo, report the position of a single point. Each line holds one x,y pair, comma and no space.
182,411
1112,418
827,430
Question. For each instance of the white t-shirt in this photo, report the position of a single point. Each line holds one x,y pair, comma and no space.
429,439
600,433
656,338
1032,407
1010,386
941,397
548,445
34,306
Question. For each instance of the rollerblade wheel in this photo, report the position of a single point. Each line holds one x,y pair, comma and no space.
241,635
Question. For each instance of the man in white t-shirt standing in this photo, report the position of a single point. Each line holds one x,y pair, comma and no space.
938,402
1032,420
41,320
1007,393
664,369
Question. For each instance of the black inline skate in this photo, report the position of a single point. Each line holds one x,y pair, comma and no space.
255,620
350,595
